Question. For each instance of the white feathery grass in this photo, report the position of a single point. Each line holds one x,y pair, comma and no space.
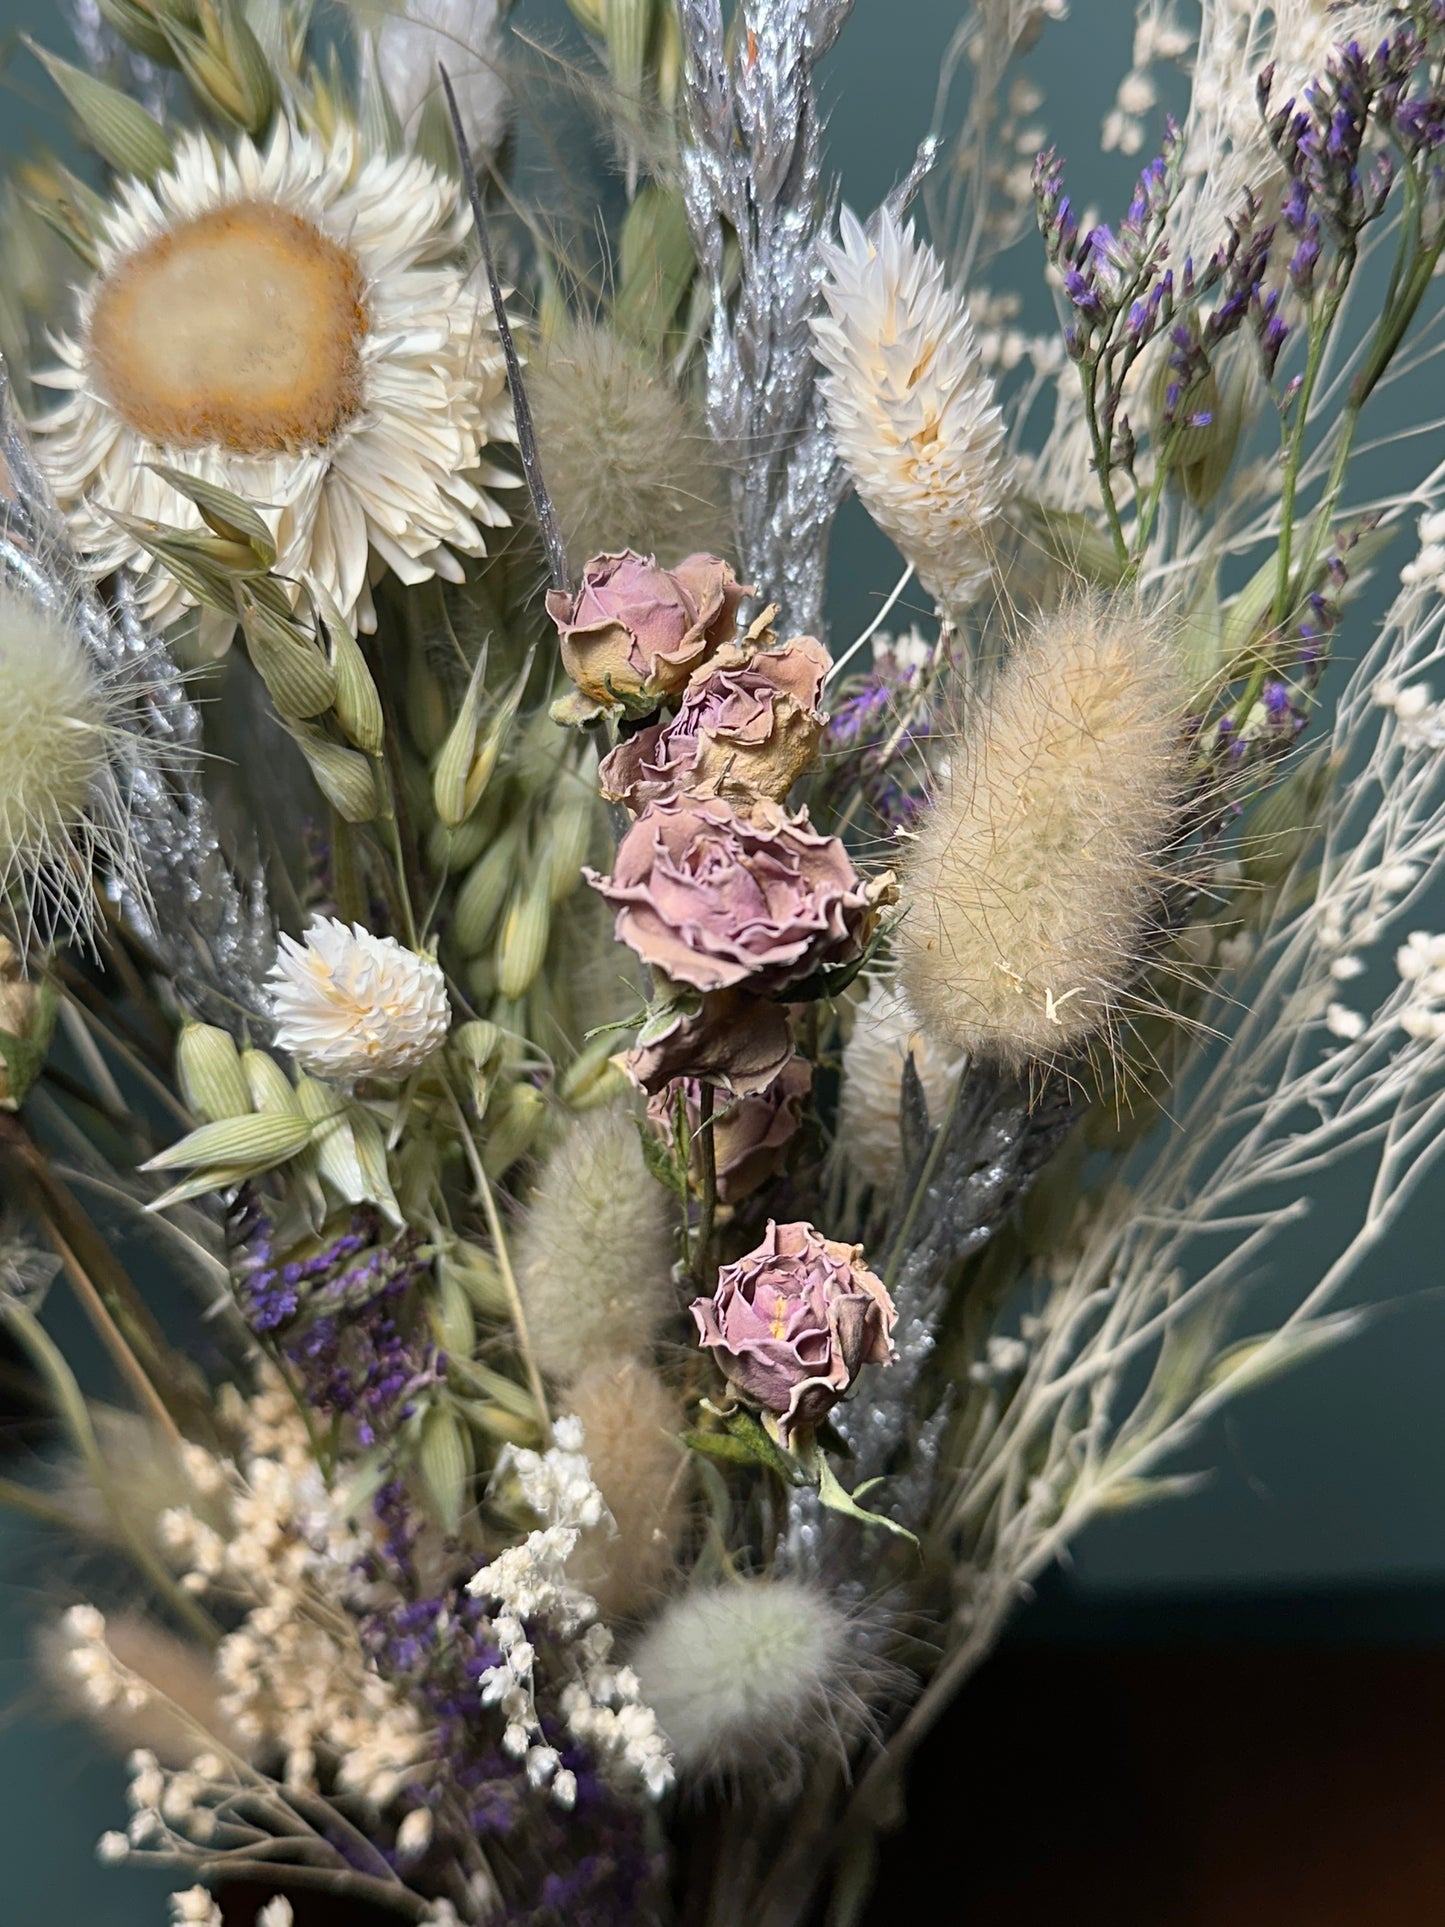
910,405
1030,884
630,1421
593,1255
628,463
753,1675
63,814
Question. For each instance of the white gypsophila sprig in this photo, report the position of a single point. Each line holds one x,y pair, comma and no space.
1158,37
293,1674
752,178
217,1815
911,407
1226,148
980,200
1312,1074
415,36
348,1004
600,1702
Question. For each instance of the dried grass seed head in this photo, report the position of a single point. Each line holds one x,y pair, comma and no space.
629,463
1032,883
753,1676
594,1251
630,1421
63,811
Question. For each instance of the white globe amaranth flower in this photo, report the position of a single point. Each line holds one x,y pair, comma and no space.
63,809
749,1675
463,35
348,1004
911,407
292,324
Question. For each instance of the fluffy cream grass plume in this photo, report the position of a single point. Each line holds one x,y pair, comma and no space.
63,811
629,464
630,1421
751,1676
1031,883
594,1252
413,36
911,408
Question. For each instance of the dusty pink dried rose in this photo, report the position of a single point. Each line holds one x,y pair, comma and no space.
634,632
748,727
736,1042
751,1135
794,1322
713,899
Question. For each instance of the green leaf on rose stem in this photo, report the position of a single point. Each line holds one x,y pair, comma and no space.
662,1016
837,1499
745,1442
660,1157
833,979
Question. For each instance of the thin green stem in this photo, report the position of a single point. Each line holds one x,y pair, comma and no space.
1090,379
497,1234
707,1188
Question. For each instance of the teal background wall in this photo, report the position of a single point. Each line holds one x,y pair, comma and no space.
1329,1479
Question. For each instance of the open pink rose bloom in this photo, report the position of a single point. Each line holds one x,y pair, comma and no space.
714,899
794,1322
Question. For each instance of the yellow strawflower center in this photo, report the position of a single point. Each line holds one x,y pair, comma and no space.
242,327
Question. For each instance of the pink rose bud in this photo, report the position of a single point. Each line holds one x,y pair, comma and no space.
714,899
735,1042
634,632
793,1323
751,1135
749,726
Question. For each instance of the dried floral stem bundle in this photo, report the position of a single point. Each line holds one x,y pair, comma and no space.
705,1163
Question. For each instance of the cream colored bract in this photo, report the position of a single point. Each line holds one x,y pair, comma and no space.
293,325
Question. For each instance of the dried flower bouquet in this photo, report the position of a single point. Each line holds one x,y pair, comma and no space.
704,1160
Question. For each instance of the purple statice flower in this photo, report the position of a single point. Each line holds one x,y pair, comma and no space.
433,1641
875,741
341,1316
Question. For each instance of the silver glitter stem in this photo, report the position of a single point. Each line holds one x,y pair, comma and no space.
752,174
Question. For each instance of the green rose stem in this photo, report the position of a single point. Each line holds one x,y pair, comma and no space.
707,1186
504,1263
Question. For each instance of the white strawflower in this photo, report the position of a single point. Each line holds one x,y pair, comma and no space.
749,1675
348,1004
63,813
465,36
294,325
278,1911
911,408
885,1034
